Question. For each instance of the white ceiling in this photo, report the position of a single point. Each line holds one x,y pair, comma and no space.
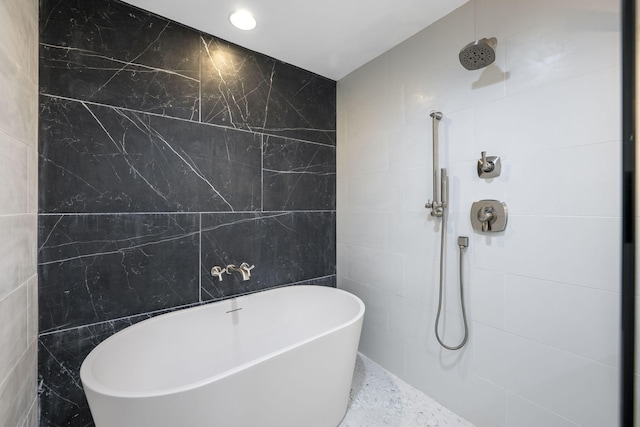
329,37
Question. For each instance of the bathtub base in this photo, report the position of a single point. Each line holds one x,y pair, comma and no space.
305,384
308,386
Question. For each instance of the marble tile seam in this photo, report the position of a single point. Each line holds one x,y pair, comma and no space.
119,61
14,138
19,360
252,132
176,308
175,213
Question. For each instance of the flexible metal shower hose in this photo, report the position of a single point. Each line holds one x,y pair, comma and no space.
440,298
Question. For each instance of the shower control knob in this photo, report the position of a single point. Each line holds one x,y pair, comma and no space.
488,166
488,216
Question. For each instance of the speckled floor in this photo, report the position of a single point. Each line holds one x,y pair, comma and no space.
379,398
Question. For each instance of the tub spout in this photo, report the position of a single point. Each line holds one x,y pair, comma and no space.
244,269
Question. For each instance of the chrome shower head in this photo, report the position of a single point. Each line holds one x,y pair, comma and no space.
478,54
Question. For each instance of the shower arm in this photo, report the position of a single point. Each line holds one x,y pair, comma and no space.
439,202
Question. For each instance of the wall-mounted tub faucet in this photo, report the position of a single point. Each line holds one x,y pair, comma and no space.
244,270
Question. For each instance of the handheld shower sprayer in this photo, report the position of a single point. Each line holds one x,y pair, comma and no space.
438,209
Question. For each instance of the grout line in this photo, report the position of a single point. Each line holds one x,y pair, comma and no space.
191,121
178,307
171,213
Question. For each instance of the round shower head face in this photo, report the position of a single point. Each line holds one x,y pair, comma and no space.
478,54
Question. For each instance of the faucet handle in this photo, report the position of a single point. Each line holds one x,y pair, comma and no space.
217,271
247,267
488,166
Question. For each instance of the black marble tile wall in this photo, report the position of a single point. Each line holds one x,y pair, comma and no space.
284,244
246,90
164,151
104,159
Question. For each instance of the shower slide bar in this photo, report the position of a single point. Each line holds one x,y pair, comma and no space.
439,202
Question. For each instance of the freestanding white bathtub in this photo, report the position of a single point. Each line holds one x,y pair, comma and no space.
278,358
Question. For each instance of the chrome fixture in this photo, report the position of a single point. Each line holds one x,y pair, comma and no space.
439,202
217,271
244,270
489,216
438,208
489,166
463,242
478,54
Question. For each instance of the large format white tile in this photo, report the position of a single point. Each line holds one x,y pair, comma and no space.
414,234
569,43
459,390
457,137
379,192
380,270
417,190
373,105
463,186
369,230
18,102
18,24
13,329
32,173
421,280
376,301
410,321
504,18
410,147
574,181
18,391
522,413
32,417
578,389
32,309
384,348
579,320
362,156
487,302
14,176
579,111
575,250
17,251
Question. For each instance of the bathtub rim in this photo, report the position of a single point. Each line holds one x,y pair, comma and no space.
89,381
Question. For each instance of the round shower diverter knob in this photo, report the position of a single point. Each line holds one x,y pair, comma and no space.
488,216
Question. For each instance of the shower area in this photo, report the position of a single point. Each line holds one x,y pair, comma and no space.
543,295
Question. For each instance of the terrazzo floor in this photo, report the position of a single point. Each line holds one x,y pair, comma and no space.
379,398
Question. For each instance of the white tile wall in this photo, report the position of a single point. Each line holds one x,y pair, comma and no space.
18,208
523,413
542,297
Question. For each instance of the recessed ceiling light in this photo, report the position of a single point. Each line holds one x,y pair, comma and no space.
243,20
